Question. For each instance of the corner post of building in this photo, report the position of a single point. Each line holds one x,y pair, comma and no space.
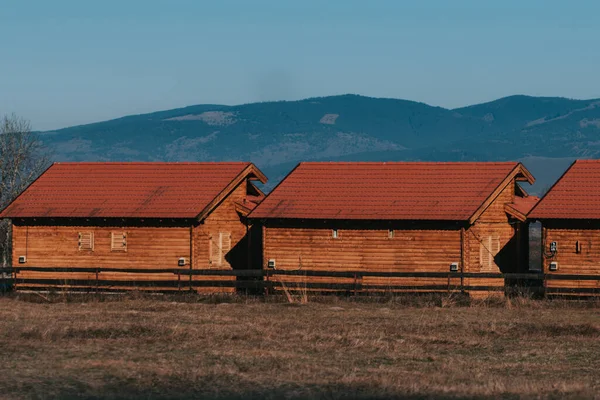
191,257
264,258
543,256
463,242
248,244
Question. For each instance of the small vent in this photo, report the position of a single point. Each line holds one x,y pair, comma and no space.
22,259
553,266
86,241
334,233
271,263
577,247
454,267
118,241
390,233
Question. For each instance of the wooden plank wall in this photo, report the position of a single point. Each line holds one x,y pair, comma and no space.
224,219
493,222
426,250
587,262
57,246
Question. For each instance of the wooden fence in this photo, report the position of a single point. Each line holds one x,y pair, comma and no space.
266,281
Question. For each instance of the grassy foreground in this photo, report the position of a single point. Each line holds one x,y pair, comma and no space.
157,347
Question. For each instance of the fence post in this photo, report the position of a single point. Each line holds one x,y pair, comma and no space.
544,282
267,283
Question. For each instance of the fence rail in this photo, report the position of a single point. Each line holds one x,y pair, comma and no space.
269,280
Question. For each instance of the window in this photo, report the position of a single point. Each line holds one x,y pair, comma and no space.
118,241
334,233
390,233
86,241
218,246
489,247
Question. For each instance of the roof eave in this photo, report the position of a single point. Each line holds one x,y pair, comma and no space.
513,212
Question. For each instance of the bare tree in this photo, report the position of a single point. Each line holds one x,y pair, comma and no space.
23,158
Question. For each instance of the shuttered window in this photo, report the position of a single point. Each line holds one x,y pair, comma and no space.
86,241
118,241
218,246
488,249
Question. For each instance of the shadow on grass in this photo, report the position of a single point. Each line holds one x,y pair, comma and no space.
231,390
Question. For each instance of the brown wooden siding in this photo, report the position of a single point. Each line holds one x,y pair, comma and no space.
363,250
587,262
492,238
57,246
223,220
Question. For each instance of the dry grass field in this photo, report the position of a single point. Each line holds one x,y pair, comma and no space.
165,347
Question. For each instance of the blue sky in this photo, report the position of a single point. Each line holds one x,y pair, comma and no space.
68,62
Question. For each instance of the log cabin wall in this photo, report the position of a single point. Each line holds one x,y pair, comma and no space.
221,241
220,234
391,248
492,241
578,252
59,246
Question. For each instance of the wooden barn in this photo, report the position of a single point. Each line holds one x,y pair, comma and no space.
134,216
398,217
570,217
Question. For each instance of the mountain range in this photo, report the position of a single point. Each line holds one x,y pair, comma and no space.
546,133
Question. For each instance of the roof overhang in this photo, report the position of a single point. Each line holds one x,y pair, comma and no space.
519,173
513,212
251,172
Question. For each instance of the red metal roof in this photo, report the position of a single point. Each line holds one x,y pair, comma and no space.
576,195
393,190
127,190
